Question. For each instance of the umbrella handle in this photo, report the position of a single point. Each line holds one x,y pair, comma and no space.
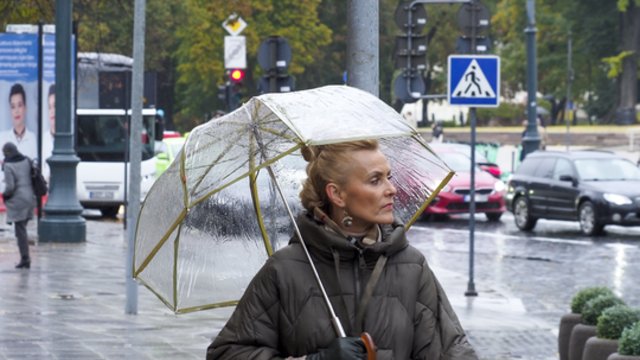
369,345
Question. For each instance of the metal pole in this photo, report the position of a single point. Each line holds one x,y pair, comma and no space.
135,154
569,80
363,45
62,221
471,286
531,139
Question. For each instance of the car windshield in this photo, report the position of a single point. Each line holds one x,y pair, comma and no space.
607,170
458,162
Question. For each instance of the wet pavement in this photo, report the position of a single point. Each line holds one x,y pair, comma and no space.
70,304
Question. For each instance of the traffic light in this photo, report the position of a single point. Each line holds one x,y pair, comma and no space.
410,53
274,56
236,75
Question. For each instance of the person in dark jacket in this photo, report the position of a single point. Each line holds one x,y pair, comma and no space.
376,282
18,197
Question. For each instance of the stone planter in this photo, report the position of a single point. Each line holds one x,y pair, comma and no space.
599,349
579,336
616,356
567,322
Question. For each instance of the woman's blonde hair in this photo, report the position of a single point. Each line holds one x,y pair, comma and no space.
328,163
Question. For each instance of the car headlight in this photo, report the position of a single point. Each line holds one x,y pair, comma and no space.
499,186
617,199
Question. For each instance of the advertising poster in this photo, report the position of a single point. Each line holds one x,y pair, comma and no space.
19,92
48,121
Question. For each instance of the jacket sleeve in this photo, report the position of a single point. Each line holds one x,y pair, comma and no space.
9,182
252,330
438,333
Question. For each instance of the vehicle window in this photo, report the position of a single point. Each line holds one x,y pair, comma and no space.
458,162
528,166
104,138
563,167
545,169
607,170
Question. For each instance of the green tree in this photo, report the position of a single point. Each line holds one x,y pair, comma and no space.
200,60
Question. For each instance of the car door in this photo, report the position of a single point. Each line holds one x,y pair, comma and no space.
563,193
540,187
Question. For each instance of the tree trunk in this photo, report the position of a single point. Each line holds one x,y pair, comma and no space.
630,33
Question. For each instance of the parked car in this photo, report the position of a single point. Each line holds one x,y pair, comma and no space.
454,198
481,160
595,188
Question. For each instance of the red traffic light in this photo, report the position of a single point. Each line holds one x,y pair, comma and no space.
236,75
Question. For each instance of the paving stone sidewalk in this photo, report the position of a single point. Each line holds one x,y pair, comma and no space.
70,305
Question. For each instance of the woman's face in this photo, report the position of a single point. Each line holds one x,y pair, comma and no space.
368,194
18,110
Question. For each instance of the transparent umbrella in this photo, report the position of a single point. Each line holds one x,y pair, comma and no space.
215,215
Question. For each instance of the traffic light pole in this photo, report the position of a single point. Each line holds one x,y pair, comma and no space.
409,43
531,139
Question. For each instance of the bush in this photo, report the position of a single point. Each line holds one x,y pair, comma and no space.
594,307
615,319
586,294
630,341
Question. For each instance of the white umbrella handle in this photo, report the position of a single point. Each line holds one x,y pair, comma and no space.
334,319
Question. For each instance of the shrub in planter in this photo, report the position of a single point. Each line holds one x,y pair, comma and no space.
582,332
594,307
614,320
568,321
630,341
581,297
609,328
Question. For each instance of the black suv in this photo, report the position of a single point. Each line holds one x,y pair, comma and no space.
595,188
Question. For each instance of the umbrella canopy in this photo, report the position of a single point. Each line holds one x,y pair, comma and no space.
214,216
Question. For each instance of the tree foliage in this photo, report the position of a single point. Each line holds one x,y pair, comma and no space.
185,45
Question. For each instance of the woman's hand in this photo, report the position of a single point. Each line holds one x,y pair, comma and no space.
344,348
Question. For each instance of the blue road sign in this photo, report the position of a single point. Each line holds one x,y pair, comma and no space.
474,80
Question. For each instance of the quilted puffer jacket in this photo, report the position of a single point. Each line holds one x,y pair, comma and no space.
282,313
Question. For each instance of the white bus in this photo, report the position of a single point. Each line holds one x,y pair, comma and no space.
102,143
101,132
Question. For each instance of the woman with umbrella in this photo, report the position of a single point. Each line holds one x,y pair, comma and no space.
376,281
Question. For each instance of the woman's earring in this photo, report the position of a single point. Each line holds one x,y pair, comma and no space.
347,220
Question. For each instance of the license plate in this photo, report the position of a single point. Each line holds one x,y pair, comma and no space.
479,198
101,195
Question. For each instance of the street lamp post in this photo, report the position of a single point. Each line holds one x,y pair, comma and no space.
531,139
62,221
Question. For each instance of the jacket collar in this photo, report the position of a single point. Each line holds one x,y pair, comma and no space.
321,241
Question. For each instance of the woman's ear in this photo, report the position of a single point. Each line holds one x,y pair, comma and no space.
335,195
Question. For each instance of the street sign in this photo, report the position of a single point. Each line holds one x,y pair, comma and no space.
234,24
235,52
474,80
418,17
473,15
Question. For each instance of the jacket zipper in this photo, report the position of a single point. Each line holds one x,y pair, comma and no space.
356,275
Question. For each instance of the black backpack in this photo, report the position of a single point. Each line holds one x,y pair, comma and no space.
38,182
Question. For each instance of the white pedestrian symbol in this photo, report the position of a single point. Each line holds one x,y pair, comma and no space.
473,84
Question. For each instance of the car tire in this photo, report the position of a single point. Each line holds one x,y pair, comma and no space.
109,211
522,214
589,224
493,216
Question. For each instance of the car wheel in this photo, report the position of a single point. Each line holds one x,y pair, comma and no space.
587,217
109,211
493,216
522,214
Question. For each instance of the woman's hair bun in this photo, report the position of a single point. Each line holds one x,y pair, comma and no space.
310,153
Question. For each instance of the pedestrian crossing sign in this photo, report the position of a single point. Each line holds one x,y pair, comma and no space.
474,80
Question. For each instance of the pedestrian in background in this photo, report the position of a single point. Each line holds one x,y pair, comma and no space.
437,132
375,280
18,197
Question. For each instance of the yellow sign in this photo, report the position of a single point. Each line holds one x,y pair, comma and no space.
234,24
